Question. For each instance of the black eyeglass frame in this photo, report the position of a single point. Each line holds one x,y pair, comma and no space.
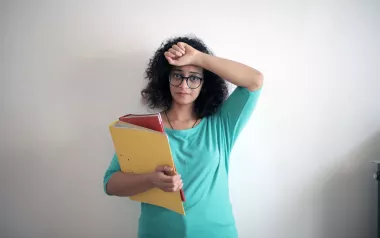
187,81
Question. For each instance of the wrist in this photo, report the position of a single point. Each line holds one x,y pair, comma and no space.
149,178
199,59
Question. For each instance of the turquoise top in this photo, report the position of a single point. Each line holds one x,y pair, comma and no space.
201,155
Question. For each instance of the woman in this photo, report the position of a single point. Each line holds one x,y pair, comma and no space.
188,84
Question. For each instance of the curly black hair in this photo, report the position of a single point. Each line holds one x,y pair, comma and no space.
157,92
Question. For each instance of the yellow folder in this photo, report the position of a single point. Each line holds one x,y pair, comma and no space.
141,150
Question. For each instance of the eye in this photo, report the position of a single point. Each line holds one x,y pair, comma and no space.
177,76
194,78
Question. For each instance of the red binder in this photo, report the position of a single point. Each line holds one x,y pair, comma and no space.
150,121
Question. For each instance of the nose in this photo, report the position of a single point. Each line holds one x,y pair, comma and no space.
183,84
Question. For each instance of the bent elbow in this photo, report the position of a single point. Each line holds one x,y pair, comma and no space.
257,81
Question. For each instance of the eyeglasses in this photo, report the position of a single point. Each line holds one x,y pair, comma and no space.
192,82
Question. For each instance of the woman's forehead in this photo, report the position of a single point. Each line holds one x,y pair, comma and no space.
188,68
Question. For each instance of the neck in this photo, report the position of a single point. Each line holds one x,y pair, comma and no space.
179,112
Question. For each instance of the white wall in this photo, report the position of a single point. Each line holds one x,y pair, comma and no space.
301,168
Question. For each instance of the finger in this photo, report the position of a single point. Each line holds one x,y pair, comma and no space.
169,54
164,168
175,52
170,172
169,190
176,178
173,187
163,178
170,179
177,48
178,186
168,168
182,46
160,168
169,187
170,59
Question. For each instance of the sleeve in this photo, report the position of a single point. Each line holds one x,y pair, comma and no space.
236,111
113,167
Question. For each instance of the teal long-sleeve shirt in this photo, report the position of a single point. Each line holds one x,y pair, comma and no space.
201,155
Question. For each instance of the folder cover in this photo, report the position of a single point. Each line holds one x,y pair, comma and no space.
150,121
141,150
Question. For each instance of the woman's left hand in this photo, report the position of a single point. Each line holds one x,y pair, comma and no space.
182,54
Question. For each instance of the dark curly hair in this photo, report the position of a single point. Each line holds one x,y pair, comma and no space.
157,92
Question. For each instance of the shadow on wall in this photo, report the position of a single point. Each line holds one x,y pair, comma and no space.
114,78
100,88
341,202
348,198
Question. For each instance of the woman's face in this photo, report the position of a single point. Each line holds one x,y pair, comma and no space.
185,83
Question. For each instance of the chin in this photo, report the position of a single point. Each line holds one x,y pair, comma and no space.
183,101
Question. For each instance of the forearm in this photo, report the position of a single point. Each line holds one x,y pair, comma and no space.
234,72
126,184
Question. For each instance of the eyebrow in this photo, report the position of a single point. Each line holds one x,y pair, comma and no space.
192,72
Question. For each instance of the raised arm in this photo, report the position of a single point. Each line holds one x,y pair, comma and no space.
236,73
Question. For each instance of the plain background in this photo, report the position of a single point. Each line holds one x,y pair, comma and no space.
302,166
